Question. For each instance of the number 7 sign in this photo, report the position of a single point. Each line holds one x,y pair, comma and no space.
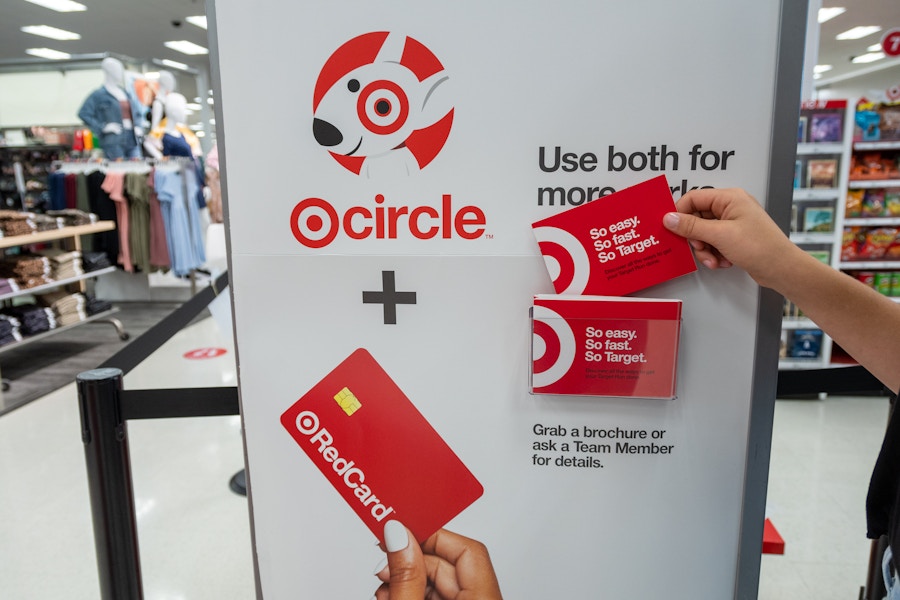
890,43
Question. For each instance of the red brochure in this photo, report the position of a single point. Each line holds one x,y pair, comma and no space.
605,346
378,451
614,245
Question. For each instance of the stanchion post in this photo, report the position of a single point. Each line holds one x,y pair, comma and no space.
105,438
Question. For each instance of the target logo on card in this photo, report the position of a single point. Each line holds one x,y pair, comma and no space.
614,245
605,346
553,346
381,105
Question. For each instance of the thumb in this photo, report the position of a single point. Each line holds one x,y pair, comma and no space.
405,563
689,226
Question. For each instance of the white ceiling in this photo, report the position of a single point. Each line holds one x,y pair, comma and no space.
839,53
138,29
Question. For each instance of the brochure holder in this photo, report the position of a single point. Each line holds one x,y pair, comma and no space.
604,346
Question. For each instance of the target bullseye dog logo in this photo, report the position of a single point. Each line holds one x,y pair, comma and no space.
381,105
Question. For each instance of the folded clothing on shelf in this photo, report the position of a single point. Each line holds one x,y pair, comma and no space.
29,270
63,264
8,286
14,223
96,305
9,330
47,223
73,216
94,261
67,307
33,319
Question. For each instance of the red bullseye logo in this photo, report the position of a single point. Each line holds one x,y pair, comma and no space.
382,105
565,257
553,347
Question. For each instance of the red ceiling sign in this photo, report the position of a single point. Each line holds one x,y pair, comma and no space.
890,43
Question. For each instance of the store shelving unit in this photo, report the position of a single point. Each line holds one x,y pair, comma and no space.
820,180
871,248
71,237
35,161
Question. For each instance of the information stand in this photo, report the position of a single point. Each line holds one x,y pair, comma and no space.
383,164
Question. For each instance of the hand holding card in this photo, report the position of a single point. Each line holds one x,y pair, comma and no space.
378,451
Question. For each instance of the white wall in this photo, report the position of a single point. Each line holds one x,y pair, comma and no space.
45,97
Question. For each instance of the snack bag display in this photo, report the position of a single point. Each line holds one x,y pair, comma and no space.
877,242
873,203
853,204
892,202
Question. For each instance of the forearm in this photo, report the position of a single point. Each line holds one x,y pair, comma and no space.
863,322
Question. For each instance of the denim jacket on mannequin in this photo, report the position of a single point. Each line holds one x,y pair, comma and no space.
101,108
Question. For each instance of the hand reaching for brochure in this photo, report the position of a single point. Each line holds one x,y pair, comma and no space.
728,227
447,566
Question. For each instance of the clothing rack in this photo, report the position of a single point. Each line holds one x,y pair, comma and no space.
137,165
179,164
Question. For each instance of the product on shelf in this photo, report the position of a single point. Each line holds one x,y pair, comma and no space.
853,204
821,173
874,165
818,218
873,203
850,243
806,343
9,330
13,223
876,121
870,243
892,202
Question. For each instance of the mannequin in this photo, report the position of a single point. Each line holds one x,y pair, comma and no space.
158,108
172,137
108,113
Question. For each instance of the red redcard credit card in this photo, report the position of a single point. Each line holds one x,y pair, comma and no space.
378,451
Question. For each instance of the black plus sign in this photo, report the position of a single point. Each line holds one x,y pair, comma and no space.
390,297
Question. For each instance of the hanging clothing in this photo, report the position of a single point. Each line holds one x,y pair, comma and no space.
178,145
159,248
175,189
138,195
105,209
113,185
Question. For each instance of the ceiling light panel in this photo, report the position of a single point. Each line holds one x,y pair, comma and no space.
51,32
174,64
858,32
826,14
186,47
867,58
199,21
48,53
60,5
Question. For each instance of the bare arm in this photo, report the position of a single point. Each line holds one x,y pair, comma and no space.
728,227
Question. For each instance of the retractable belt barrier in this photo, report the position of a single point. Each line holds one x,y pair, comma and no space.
105,407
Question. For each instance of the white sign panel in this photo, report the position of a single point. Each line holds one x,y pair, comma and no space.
383,166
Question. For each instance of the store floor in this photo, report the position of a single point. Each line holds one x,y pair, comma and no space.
194,532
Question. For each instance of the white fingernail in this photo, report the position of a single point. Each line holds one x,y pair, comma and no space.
380,566
395,536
